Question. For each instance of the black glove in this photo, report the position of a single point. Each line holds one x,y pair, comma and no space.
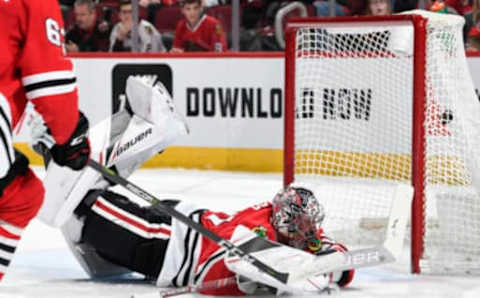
76,151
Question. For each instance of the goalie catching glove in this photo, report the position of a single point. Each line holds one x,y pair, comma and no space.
73,154
308,273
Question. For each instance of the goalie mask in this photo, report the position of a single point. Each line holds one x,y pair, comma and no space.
297,216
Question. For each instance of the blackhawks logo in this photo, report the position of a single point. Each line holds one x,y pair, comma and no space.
314,245
218,29
260,231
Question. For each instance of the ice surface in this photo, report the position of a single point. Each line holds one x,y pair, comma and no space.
44,267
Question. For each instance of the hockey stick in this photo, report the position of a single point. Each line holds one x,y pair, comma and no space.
392,247
171,292
209,285
110,175
388,252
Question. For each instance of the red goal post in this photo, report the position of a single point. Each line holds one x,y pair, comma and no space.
316,102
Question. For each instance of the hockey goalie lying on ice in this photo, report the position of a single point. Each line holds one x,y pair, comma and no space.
109,234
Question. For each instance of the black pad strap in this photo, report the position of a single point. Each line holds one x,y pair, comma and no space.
18,168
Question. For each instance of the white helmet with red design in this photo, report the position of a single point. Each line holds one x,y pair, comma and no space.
297,216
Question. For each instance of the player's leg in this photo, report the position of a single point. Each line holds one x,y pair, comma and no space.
21,195
21,192
124,233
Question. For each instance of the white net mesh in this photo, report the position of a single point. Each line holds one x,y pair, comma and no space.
451,152
353,131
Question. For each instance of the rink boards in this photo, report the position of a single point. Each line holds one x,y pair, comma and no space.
233,104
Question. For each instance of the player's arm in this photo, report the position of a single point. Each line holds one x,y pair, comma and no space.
219,38
50,84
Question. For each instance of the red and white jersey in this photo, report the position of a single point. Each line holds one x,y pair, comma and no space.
211,265
206,35
193,259
33,67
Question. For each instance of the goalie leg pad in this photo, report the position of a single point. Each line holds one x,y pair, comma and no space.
127,234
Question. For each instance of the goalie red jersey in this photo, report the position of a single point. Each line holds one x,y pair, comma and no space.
203,259
211,264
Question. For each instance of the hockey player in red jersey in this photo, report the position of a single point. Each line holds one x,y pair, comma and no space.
147,241
33,69
110,234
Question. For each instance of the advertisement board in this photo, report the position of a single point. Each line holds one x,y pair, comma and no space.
234,104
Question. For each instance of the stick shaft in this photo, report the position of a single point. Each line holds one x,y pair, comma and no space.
208,285
156,203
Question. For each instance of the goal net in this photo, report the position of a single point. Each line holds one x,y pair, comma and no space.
376,101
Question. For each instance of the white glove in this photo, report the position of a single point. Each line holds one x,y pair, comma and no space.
312,285
317,285
246,285
39,133
306,271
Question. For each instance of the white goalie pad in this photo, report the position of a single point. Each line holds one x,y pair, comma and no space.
305,270
151,101
65,188
155,125
122,140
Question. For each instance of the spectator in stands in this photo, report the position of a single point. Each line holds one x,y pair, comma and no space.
404,5
473,36
65,7
461,7
150,40
441,7
151,6
89,33
145,3
378,8
322,8
342,7
197,31
473,40
465,9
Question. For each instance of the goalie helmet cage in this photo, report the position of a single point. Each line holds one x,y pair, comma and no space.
374,101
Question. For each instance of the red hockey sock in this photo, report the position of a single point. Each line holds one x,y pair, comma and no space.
9,238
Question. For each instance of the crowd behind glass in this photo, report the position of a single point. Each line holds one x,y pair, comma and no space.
211,25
